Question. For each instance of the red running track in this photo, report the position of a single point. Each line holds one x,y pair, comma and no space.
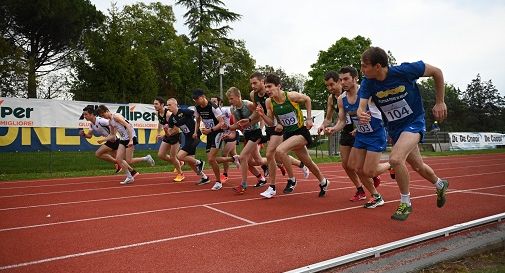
154,225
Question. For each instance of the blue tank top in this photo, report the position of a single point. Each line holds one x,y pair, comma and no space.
397,96
375,123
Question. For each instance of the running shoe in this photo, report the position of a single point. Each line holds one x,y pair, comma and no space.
306,172
359,195
376,181
127,181
223,178
118,167
179,177
441,194
240,189
402,213
269,193
290,186
217,186
203,181
324,188
200,167
236,160
282,169
375,201
261,182
150,160
392,173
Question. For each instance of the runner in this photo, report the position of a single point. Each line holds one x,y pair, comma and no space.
127,142
230,141
101,127
250,155
284,106
370,138
213,121
182,120
395,92
168,143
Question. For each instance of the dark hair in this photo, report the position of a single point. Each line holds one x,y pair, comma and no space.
331,75
349,69
198,93
102,109
274,79
375,55
161,100
219,100
90,109
257,75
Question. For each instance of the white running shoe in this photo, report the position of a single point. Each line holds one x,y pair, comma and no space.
236,160
306,172
217,186
127,181
269,193
150,160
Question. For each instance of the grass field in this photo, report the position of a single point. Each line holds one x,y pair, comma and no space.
34,165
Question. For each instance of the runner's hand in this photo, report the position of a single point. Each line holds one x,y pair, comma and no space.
440,111
309,124
278,128
320,129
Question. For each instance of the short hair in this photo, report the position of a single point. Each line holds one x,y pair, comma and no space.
161,100
273,79
90,109
219,100
235,91
375,55
198,93
257,75
331,75
102,109
174,100
349,69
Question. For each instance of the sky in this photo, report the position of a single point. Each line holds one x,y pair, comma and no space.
460,37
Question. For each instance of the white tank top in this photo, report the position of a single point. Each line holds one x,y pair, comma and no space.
100,127
121,130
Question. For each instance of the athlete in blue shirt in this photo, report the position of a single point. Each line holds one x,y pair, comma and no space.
394,91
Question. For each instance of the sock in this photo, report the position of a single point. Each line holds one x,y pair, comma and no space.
128,174
273,187
225,174
301,165
244,184
198,162
360,189
204,176
262,178
439,184
322,182
405,198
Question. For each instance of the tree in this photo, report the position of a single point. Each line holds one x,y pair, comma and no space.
111,68
204,19
343,52
288,82
46,32
485,106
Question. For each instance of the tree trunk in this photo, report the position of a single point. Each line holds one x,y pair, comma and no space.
32,80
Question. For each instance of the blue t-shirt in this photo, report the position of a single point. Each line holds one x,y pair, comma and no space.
397,96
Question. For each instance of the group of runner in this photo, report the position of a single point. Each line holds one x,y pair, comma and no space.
388,98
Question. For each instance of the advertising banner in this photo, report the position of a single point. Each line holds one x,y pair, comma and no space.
475,141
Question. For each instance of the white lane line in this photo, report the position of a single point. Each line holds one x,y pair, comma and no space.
230,214
485,193
170,193
75,255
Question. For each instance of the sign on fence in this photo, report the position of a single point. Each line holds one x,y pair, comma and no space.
475,141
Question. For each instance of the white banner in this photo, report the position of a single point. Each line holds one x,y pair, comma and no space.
475,141
15,112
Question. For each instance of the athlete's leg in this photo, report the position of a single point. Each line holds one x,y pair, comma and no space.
290,144
356,162
416,161
105,153
345,151
303,154
211,157
271,155
163,150
174,148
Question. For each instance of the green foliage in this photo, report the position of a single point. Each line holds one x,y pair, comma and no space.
45,32
343,52
204,19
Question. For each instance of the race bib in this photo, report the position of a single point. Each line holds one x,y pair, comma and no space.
348,119
362,128
288,119
209,123
397,110
184,129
